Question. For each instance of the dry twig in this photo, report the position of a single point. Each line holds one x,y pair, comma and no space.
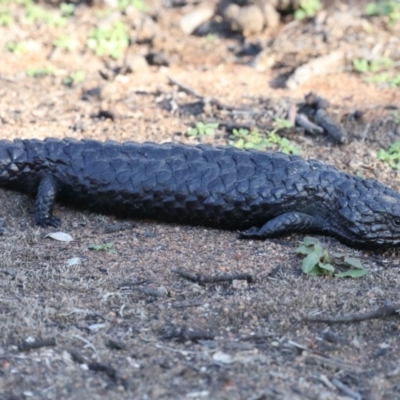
385,311
37,344
198,278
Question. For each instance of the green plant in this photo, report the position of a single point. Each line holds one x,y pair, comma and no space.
284,144
371,67
202,129
307,9
65,42
108,247
386,8
16,47
67,10
391,156
365,66
385,79
37,14
109,40
318,261
6,18
40,72
396,117
138,4
254,139
75,78
249,139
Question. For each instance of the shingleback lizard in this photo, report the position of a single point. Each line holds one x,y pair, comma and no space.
260,194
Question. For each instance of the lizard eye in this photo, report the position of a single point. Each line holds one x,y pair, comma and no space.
396,221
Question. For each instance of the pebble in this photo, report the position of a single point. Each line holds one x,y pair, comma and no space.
136,63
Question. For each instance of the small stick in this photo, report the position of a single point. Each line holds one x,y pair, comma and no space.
333,128
304,122
107,369
37,344
198,278
184,334
186,88
385,311
185,305
345,389
196,94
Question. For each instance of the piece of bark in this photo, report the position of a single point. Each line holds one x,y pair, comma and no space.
323,65
332,128
303,121
201,14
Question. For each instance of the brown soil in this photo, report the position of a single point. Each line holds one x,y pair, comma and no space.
125,325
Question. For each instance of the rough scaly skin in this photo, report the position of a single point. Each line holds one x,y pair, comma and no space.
260,194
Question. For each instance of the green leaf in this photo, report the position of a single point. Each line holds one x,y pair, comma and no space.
109,247
316,271
318,249
326,267
352,273
326,256
240,144
309,240
361,65
353,262
310,262
192,132
304,250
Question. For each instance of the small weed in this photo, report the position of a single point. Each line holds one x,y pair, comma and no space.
249,139
387,8
319,262
138,4
108,247
254,139
17,47
391,156
396,117
109,40
385,79
365,66
307,9
284,145
40,72
202,129
67,10
65,42
371,67
6,18
75,78
37,14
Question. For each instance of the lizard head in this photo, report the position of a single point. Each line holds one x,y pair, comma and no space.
368,215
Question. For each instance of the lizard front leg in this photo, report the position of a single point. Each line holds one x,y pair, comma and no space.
45,198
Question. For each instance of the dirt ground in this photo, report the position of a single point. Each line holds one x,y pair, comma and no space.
79,323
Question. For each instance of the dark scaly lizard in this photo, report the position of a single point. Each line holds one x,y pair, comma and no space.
260,194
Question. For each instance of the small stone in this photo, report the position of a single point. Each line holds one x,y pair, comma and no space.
155,292
239,284
271,16
247,19
201,14
158,59
136,63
